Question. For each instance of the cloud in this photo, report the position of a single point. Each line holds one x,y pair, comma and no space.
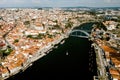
6,2
107,1
41,1
18,1
112,1
36,1
63,3
3,1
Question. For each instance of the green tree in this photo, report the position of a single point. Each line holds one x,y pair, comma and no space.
68,24
57,26
6,52
16,40
26,22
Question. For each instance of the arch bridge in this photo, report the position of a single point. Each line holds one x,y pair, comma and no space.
79,33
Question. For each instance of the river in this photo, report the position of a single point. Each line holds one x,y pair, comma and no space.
75,60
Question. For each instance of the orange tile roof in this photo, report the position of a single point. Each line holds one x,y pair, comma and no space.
116,77
108,49
115,61
19,56
38,24
3,70
114,71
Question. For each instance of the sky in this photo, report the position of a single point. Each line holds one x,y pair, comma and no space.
59,3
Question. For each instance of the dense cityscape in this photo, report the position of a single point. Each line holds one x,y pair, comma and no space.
26,33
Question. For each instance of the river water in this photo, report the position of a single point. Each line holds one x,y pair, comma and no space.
75,60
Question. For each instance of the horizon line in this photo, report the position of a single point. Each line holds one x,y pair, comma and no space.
58,7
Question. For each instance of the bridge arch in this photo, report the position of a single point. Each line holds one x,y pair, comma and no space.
79,33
